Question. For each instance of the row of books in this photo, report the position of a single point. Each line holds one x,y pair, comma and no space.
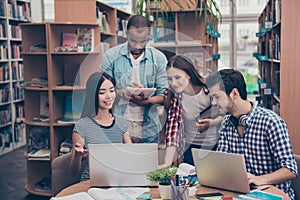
19,131
5,138
3,52
20,112
19,11
4,95
73,102
271,47
18,92
83,39
15,51
2,31
15,31
103,20
121,27
17,70
4,73
5,117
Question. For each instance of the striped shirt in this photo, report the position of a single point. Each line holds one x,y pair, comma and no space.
265,144
94,133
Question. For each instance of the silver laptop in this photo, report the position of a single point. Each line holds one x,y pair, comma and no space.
121,164
221,170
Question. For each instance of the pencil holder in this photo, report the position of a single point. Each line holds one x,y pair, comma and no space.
180,192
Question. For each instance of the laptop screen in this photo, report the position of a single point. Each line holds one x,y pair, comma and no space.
221,170
121,164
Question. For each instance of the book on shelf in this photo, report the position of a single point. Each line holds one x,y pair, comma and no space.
2,9
43,185
39,82
86,39
106,194
69,39
73,103
105,22
39,154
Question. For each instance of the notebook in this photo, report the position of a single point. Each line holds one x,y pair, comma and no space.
221,170
122,164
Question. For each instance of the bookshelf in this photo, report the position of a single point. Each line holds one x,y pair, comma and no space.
269,55
197,39
53,65
109,18
12,128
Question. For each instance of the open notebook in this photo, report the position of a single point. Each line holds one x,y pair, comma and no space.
105,194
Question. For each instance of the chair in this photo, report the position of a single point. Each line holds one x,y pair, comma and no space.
61,175
296,181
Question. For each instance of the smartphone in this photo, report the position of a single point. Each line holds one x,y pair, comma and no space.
214,194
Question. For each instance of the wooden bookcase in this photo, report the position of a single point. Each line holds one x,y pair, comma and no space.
289,72
197,39
12,128
269,55
285,90
50,64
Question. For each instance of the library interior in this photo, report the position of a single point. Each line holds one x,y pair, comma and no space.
141,99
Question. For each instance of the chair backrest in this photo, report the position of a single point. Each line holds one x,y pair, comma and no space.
61,175
296,181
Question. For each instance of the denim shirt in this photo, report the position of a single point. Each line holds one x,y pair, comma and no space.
116,62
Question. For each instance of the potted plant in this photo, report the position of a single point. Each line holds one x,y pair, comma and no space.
162,176
146,7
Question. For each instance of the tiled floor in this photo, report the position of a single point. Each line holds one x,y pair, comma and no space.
13,177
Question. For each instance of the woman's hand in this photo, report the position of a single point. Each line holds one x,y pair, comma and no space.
79,150
203,124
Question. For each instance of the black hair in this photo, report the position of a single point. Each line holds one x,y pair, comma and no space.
184,63
138,21
228,79
91,100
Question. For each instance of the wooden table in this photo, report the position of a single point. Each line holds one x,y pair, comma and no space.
84,186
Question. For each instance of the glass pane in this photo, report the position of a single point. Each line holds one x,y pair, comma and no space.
224,46
250,6
224,6
49,10
246,45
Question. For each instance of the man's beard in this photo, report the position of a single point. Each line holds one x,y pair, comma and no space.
140,51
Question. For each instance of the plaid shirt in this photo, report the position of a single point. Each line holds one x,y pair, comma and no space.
265,144
174,125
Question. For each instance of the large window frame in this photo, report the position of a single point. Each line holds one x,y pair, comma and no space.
233,18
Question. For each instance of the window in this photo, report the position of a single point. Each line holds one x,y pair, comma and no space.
238,41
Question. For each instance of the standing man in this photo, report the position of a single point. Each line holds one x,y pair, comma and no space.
135,64
257,133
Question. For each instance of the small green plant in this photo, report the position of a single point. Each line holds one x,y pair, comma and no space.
162,175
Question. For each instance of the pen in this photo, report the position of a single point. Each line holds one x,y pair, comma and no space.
177,180
172,178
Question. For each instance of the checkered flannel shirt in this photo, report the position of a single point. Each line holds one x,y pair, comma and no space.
265,144
174,125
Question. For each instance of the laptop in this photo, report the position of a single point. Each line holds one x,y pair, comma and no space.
221,170
121,164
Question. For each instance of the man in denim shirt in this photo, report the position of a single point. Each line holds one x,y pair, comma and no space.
135,64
